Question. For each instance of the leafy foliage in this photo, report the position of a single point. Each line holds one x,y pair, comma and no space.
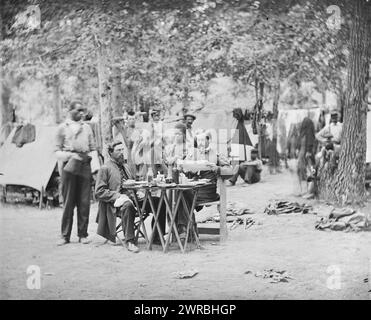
167,49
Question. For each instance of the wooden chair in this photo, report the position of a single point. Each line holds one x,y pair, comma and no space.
222,208
209,228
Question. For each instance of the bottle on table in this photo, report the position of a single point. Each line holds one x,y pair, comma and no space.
169,176
175,176
149,177
182,178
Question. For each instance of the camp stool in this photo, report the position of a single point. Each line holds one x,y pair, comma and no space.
138,233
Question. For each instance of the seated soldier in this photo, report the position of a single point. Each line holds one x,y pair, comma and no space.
109,188
330,138
249,171
179,150
332,131
175,151
206,150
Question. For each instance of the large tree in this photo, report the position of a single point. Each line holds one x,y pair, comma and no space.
344,182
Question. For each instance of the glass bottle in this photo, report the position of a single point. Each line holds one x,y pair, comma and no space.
150,175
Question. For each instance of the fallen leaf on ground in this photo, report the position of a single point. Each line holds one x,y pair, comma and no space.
185,274
274,275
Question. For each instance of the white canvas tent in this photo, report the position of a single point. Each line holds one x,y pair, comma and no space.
32,164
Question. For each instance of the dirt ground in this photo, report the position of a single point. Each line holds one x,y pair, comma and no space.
323,265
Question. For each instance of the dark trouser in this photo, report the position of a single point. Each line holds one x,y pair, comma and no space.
182,216
128,213
76,193
247,173
252,174
239,170
205,194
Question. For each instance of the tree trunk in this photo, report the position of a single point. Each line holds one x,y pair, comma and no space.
6,108
57,99
116,92
6,113
81,88
347,184
276,96
261,126
105,95
341,102
186,98
259,92
323,93
117,110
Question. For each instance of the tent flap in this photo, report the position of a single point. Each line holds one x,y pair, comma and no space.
32,164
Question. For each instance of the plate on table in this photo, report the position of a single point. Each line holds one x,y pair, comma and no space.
190,184
162,185
141,183
202,181
129,183
186,185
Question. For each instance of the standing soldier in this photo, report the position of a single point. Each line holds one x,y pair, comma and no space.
190,135
75,141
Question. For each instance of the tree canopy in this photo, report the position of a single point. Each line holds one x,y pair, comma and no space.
165,49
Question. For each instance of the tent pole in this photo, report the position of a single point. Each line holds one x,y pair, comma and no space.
223,210
41,198
4,193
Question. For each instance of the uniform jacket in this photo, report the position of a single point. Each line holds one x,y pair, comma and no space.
106,192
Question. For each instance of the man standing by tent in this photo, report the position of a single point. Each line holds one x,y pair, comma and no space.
75,141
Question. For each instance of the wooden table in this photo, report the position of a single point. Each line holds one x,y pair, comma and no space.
171,195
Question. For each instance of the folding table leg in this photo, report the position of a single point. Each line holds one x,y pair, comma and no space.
140,213
190,224
122,242
172,226
156,225
171,203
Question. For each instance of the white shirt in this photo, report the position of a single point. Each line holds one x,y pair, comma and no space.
190,138
332,129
